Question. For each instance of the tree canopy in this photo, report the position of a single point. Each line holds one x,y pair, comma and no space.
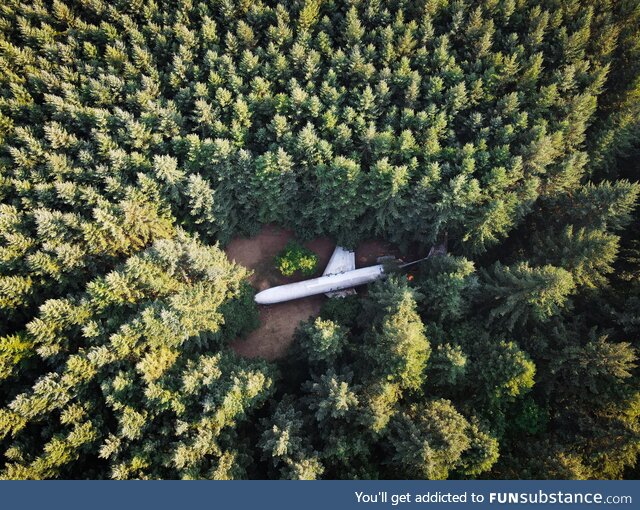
137,138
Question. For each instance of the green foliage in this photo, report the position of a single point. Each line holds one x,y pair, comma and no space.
530,418
522,293
146,362
447,283
508,371
429,440
344,311
240,314
321,340
447,366
283,444
295,257
396,341
135,138
330,396
482,454
587,255
594,366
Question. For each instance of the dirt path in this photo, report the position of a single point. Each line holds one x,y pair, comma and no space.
278,322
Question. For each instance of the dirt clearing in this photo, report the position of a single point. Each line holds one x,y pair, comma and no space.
278,322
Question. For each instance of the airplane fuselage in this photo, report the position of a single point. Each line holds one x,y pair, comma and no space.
321,285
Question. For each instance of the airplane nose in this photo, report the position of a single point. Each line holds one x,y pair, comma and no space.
266,297
259,298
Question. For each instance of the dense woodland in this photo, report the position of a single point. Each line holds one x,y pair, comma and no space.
137,137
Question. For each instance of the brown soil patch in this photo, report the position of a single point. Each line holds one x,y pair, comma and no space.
368,251
277,325
278,322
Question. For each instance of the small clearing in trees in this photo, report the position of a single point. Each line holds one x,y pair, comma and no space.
278,322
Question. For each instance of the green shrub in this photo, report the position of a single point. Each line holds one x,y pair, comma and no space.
344,310
296,257
240,315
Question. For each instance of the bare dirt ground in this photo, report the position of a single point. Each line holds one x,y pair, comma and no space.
278,322
367,252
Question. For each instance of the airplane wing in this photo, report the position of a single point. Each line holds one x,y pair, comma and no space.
341,260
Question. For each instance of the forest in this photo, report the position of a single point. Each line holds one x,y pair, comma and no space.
139,137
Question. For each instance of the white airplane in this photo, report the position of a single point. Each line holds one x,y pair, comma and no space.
338,279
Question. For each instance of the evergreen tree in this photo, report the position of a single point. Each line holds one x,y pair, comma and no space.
522,293
135,138
429,440
397,345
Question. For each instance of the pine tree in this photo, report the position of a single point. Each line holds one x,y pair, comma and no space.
587,255
331,396
321,340
448,284
398,348
429,440
521,293
508,127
